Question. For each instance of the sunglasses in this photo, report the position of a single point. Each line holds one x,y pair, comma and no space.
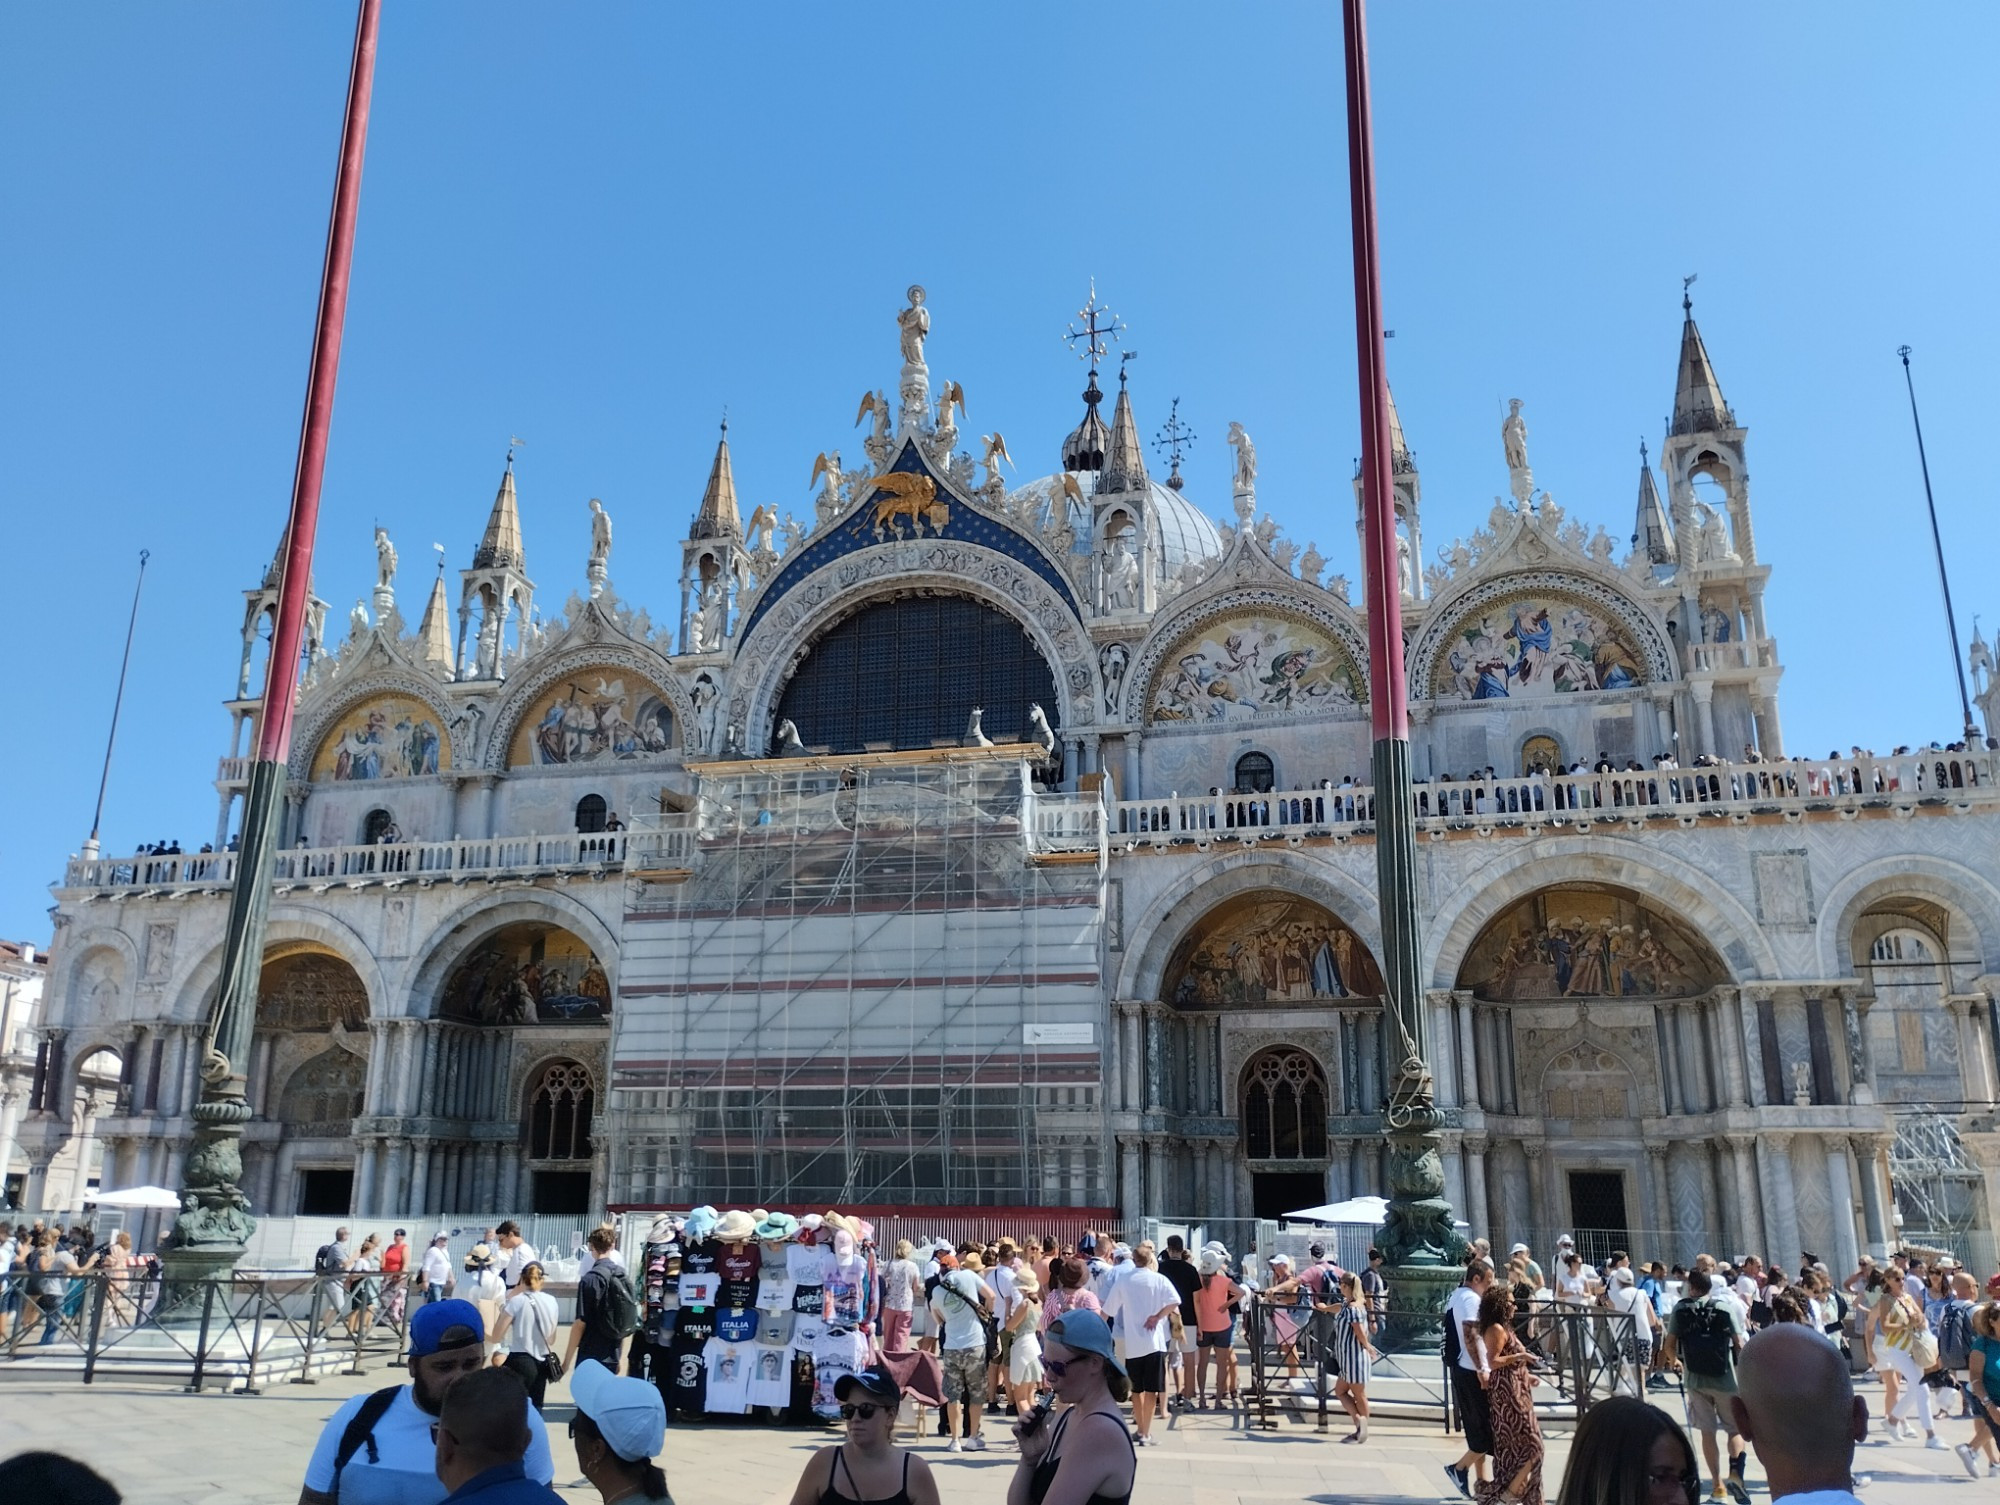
1055,1368
1662,1477
860,1412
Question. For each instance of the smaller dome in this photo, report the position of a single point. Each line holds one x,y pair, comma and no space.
1185,533
1085,448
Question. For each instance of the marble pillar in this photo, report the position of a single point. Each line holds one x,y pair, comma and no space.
1663,1197
1538,1199
1974,1079
1468,1052
1749,1215
1476,1213
1846,1251
1729,1045
1780,1202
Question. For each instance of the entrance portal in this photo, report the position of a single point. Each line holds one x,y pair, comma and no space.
1597,1204
325,1193
1275,1193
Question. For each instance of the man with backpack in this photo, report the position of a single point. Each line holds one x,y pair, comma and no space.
377,1449
1705,1335
607,1308
330,1265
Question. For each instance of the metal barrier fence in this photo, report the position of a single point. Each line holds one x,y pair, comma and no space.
239,1333
1582,1355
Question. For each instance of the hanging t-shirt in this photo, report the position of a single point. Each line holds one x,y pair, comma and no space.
689,1359
738,1269
728,1377
806,1333
808,1264
699,1259
809,1301
775,1293
771,1259
774,1329
835,1355
700,1290
770,1376
736,1324
846,1292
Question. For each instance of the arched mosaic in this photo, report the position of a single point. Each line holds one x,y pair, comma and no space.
310,991
594,715
1251,664
384,737
1588,941
1536,643
1268,947
527,973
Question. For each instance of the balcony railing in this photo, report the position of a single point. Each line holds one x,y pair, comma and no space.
1735,788
1744,653
397,862
233,770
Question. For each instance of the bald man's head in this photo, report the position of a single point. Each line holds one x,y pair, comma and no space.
1795,1402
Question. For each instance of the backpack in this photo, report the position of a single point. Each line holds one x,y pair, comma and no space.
1706,1335
621,1305
327,1261
360,1429
1954,1334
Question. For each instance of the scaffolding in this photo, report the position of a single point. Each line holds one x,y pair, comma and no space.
1937,1186
876,981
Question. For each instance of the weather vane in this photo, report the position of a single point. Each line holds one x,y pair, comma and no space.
1098,321
1687,298
1176,438
514,442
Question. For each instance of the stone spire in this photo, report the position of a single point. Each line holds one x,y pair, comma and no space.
718,517
1401,461
1652,533
1698,402
1124,463
434,634
500,548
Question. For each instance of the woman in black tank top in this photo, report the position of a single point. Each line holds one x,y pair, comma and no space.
1075,1459
866,1469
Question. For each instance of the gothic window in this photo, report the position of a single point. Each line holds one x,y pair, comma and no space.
374,824
1540,752
908,673
590,814
559,1113
1284,1107
1255,774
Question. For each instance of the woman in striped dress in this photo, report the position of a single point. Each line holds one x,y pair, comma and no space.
1356,1352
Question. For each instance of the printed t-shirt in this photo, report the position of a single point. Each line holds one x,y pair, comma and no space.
835,1355
806,1332
1133,1302
700,1290
738,1269
956,1306
900,1286
688,1359
728,1376
774,1329
808,1264
770,1376
1464,1308
775,1293
736,1324
845,1288
405,1470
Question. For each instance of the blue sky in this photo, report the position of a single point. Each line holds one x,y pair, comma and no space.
597,226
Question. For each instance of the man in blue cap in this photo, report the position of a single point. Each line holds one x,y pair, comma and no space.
378,1450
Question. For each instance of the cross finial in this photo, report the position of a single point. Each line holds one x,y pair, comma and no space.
1643,458
1175,438
1098,321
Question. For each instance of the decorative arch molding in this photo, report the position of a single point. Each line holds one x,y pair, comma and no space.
1300,603
1691,894
447,945
783,635
289,923
580,654
1241,1046
1443,619
1970,900
1549,1049
323,716
77,950
1170,917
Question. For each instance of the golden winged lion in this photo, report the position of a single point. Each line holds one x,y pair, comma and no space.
910,496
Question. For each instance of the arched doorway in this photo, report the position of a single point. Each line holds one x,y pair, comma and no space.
79,1166
908,673
308,1073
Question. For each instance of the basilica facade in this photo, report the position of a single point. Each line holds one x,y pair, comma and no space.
979,841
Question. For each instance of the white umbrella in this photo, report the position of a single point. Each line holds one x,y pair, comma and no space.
137,1196
1365,1210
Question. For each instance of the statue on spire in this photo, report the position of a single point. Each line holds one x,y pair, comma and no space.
598,569
914,325
385,574
1514,439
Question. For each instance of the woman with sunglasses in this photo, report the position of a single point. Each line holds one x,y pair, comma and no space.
1629,1453
1898,1323
1085,1455
867,1468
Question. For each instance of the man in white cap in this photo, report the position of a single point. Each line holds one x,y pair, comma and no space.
1523,1253
439,1277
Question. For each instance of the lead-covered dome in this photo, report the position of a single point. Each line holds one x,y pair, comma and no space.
1185,534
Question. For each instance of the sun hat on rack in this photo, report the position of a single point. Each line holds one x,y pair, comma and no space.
700,1223
735,1227
777,1227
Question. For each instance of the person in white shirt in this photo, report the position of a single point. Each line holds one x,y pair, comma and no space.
1468,1378
1627,1300
1103,1279
9,1251
439,1277
959,1306
1140,1309
526,1332
586,1256
516,1252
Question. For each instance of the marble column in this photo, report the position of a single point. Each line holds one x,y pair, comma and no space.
1156,1057
1749,1216
1133,1075
1846,1250
1860,1059
420,1199
1780,1202
1468,1053
1687,1045
1538,1198
1670,1057
1473,1150
1704,714
1729,1045
1974,1080
1753,1048
1130,789
1663,1197
1131,1195
366,1200
1874,1207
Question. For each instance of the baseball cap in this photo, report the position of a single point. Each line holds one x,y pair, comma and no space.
1086,1332
1087,1244
875,1382
438,1325
1121,1251
628,1412
1520,1249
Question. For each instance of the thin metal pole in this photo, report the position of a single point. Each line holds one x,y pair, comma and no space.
118,700
1937,541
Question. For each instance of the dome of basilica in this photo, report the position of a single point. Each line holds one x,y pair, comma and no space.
1186,534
